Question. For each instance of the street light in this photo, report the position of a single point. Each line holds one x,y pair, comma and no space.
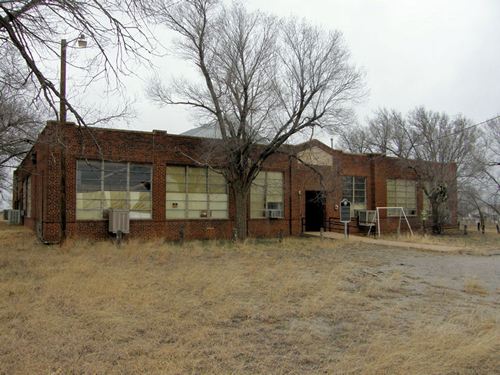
82,43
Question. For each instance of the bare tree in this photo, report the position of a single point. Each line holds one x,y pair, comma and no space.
386,133
485,173
492,154
431,144
445,143
354,138
33,30
20,117
263,81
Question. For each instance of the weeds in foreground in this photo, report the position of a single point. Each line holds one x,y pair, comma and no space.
474,286
299,306
473,243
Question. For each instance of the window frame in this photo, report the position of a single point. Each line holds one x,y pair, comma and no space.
27,191
210,195
355,206
398,203
102,191
267,194
426,202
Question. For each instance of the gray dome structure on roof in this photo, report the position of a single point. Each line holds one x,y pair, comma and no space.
213,131
204,131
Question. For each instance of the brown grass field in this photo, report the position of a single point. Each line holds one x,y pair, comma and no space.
474,242
296,307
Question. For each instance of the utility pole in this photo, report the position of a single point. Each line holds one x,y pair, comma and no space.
62,84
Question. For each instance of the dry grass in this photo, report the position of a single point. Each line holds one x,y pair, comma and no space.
301,306
474,286
473,243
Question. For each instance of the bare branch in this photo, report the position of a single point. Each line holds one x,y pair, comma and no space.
263,81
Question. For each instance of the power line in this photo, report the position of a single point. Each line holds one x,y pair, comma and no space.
463,130
422,143
482,122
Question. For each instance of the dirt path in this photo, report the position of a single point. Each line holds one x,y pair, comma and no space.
452,268
401,244
453,271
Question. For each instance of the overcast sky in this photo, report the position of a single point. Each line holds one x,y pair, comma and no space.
443,54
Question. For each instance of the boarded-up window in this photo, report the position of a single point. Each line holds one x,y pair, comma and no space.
102,185
196,193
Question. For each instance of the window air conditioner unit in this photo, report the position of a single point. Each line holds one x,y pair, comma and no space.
275,214
119,221
14,217
274,210
366,217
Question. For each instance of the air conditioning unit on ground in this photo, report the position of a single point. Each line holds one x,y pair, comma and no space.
366,217
14,216
119,221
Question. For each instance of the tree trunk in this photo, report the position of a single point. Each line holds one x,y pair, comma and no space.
481,220
241,216
436,220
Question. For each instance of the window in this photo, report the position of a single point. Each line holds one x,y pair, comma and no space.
196,193
402,193
103,185
354,190
266,195
426,203
27,197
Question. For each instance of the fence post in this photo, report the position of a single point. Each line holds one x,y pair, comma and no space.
465,229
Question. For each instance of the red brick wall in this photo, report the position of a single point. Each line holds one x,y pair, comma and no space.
161,149
45,185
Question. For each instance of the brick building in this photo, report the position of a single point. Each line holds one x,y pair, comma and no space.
72,176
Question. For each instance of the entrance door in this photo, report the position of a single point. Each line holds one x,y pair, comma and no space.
315,210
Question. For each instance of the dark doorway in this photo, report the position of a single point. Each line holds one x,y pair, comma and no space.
315,210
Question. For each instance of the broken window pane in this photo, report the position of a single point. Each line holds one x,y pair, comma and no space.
105,185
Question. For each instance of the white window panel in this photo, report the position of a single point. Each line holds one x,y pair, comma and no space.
193,192
102,185
267,188
401,193
354,190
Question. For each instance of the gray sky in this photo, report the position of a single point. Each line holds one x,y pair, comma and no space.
443,54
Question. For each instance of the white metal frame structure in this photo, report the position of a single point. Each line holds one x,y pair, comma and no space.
376,219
